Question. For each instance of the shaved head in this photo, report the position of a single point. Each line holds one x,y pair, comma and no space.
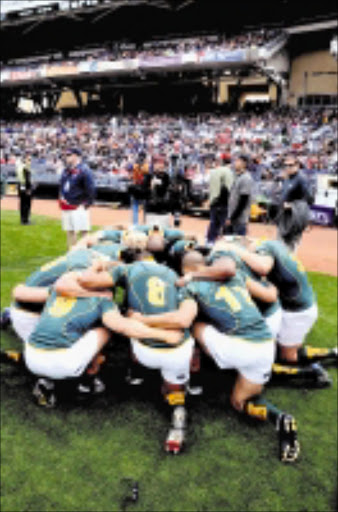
192,260
156,243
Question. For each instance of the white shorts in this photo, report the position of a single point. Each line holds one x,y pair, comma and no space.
252,360
174,363
296,325
63,363
76,220
274,322
23,322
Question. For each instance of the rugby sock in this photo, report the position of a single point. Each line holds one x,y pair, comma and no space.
313,371
261,409
12,357
311,354
174,394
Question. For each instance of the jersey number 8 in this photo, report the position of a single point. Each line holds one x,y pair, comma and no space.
156,289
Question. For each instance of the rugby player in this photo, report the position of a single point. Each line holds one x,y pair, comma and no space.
263,293
299,308
25,310
235,335
66,339
151,290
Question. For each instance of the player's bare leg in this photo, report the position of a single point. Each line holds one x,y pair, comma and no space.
195,385
246,397
198,331
90,382
174,394
135,371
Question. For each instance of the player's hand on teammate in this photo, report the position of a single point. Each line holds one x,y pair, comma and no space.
182,281
98,266
135,315
106,294
174,337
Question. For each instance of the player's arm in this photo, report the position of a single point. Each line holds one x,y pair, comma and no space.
25,293
220,270
132,328
88,240
257,290
182,318
259,263
90,279
68,285
100,265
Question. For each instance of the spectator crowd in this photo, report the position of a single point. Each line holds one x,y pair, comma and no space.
158,48
111,146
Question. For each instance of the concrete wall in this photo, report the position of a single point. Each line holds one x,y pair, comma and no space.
68,100
312,62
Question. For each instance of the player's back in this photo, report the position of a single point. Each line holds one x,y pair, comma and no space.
229,307
266,308
151,288
47,274
65,319
109,249
289,276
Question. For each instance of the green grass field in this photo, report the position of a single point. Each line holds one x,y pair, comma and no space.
75,457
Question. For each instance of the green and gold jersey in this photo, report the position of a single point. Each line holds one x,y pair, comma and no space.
266,308
113,235
169,234
289,276
150,290
110,249
65,320
229,308
50,272
179,248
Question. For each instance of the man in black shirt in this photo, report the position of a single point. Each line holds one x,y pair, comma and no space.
23,172
295,186
294,213
159,203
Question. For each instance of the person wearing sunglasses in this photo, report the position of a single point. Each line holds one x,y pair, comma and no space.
294,213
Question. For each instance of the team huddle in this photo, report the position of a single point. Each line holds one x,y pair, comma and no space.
246,304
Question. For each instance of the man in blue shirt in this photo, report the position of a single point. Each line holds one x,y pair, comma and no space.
77,191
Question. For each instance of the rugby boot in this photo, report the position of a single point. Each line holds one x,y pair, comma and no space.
5,319
176,437
289,447
44,393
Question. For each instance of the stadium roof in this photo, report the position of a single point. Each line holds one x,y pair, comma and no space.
67,24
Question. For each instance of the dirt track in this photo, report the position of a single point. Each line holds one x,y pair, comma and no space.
318,250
